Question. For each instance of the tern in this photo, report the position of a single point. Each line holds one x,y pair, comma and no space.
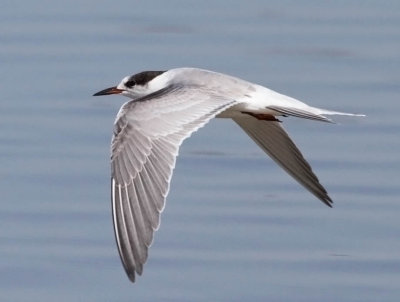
165,108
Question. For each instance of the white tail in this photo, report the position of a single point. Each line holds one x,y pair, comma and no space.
329,112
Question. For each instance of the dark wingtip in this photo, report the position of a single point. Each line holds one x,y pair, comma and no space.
328,201
131,276
131,273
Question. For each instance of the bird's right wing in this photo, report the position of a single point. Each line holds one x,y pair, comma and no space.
147,135
274,140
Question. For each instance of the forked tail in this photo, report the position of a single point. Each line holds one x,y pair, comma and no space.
311,113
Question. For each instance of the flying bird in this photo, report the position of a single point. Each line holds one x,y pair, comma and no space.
165,108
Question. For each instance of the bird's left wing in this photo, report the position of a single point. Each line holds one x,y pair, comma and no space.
273,139
147,135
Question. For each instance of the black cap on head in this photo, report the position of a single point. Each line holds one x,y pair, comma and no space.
142,78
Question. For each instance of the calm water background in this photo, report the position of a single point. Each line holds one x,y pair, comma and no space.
236,227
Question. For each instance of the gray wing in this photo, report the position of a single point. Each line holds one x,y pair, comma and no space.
147,136
274,140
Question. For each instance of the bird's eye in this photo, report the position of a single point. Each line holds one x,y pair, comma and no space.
130,83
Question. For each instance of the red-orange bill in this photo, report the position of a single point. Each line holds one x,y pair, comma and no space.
107,91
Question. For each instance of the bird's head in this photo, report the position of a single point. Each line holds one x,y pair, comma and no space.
136,86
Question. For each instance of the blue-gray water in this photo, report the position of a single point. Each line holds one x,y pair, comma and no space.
236,227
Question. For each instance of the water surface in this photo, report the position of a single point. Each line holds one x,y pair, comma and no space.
236,227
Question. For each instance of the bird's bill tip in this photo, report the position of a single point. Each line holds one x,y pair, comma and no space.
107,91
